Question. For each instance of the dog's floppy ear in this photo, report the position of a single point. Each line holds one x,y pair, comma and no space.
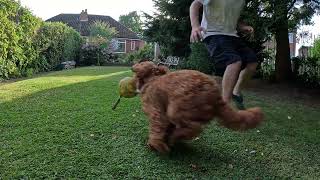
161,70
143,70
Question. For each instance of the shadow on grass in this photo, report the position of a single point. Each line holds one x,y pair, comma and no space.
71,132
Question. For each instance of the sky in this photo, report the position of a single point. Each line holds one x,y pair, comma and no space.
46,9
314,29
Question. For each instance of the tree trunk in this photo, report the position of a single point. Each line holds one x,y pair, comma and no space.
283,62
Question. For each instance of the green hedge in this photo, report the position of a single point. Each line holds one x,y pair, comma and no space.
29,45
17,31
307,71
56,42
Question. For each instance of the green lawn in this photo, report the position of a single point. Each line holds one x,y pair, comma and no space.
60,125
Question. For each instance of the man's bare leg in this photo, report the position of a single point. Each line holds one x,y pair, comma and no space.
229,80
244,76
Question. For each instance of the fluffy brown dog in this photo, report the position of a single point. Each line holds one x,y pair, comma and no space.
179,104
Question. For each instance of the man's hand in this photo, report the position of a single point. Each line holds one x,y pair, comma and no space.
196,35
246,32
246,29
194,18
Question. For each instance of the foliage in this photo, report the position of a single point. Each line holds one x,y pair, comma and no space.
144,53
132,21
56,42
267,67
92,54
72,45
17,30
315,50
308,71
97,49
171,27
198,59
28,45
101,34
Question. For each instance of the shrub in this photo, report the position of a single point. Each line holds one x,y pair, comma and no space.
308,71
101,34
144,53
199,59
56,42
28,45
72,45
267,67
315,50
97,51
17,30
92,54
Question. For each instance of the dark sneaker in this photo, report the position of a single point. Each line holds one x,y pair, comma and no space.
238,100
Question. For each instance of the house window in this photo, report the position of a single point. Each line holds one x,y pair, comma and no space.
133,45
291,37
121,46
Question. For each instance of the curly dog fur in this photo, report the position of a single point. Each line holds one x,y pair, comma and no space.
179,104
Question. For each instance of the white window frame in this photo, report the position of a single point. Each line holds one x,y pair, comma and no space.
133,45
122,41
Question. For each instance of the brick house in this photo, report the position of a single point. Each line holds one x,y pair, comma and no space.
271,44
127,40
304,51
293,44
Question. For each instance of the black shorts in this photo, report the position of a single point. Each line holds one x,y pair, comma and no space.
225,50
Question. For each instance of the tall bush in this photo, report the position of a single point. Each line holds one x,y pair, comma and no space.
97,51
199,59
315,50
56,42
29,45
92,54
72,45
17,30
101,34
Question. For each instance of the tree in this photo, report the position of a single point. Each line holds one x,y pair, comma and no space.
101,34
315,51
277,18
170,27
132,21
100,40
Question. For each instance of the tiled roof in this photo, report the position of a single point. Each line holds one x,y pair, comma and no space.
72,20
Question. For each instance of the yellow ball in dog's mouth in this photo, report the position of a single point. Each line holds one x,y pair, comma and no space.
127,87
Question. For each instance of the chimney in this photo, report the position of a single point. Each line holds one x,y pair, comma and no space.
84,15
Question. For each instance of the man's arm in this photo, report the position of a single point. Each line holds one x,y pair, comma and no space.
243,27
194,18
245,30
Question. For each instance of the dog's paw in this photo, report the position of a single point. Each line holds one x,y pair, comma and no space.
159,146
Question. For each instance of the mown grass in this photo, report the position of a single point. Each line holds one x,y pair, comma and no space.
60,125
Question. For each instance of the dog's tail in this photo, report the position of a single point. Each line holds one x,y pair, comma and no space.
239,120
